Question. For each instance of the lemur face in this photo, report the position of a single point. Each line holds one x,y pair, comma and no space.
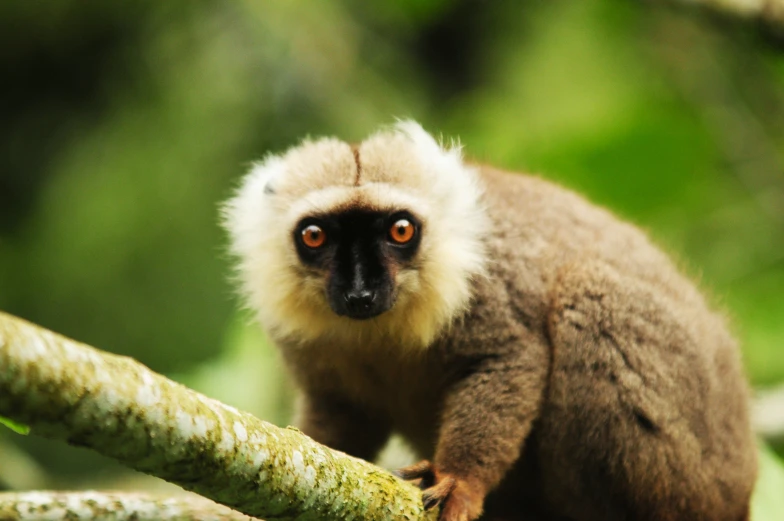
359,254
330,235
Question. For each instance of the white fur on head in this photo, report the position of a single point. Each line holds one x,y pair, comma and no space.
403,168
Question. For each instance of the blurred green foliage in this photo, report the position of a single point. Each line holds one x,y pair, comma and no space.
14,426
125,124
768,502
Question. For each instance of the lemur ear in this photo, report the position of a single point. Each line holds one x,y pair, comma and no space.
429,150
240,214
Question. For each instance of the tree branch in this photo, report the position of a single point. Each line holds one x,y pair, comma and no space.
768,413
114,506
112,404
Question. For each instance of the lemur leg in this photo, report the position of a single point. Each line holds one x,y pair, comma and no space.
487,416
342,425
646,415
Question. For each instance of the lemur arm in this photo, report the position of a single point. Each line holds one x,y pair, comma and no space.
488,414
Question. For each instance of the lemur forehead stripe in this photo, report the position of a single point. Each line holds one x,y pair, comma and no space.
355,151
379,197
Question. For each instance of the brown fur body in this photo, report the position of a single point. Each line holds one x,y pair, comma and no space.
585,351
587,381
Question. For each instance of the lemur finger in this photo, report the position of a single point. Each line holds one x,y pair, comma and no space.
436,494
422,469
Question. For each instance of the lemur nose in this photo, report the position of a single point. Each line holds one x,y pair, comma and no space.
358,301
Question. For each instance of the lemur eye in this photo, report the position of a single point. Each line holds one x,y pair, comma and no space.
402,231
313,236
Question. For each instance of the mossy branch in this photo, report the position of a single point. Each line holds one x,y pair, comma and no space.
112,404
114,506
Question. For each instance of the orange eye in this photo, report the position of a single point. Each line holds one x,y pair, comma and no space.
402,231
313,236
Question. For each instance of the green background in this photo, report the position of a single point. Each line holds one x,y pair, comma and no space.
124,124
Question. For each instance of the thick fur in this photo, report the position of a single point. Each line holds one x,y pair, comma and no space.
401,168
546,357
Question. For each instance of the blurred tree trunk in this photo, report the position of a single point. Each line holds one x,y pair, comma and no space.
769,12
69,391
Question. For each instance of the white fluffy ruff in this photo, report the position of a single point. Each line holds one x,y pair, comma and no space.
402,168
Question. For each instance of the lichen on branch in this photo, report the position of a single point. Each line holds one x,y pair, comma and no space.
116,406
114,506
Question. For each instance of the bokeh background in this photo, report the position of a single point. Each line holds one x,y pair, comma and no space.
124,124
